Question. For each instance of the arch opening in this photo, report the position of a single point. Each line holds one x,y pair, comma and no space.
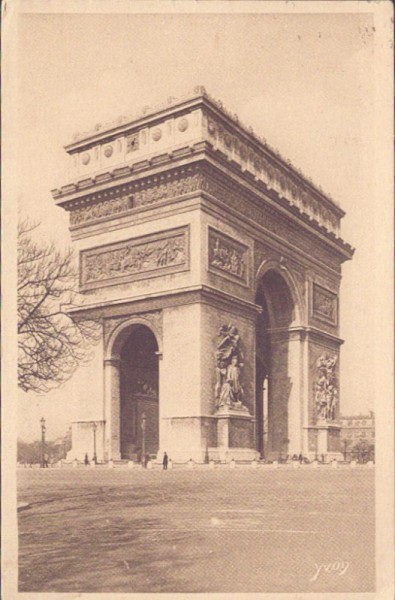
274,381
139,392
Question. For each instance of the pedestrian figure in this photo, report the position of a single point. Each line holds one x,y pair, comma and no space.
300,458
86,460
165,461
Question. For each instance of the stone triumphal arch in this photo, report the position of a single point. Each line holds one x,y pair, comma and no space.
213,268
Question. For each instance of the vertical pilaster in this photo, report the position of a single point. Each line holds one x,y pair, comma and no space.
305,396
112,409
295,402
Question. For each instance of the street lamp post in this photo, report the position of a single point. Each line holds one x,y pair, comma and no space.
94,427
264,413
345,444
43,429
206,456
143,425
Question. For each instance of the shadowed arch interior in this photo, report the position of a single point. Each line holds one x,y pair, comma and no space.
139,383
273,385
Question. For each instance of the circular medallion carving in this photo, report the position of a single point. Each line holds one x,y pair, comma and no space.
108,150
183,125
85,158
156,134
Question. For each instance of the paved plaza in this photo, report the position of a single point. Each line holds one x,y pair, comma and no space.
200,530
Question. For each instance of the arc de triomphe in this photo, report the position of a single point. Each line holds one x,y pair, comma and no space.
213,267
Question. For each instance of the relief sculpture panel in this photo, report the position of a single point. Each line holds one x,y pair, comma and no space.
324,304
227,255
164,253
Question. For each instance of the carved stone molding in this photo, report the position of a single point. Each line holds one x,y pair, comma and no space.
102,209
227,256
153,318
151,191
136,194
138,258
235,196
273,173
263,253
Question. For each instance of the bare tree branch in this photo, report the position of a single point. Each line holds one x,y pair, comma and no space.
51,342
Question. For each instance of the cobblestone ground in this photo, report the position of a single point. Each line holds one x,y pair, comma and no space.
200,530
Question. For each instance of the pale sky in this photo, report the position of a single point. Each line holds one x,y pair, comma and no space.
304,82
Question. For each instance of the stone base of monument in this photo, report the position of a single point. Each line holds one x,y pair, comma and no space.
225,454
235,434
324,437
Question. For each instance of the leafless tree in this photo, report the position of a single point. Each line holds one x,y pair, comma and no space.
51,341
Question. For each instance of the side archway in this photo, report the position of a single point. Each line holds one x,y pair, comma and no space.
278,360
132,390
280,268
122,331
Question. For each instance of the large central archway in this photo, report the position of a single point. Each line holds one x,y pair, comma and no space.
277,393
139,379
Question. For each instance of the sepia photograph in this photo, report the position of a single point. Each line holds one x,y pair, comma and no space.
197,304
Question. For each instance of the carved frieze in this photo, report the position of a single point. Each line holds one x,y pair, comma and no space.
324,304
164,187
168,189
102,209
235,198
227,255
147,256
140,193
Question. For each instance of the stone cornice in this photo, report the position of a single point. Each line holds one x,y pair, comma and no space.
279,207
175,107
176,133
304,332
73,198
320,335
274,157
122,175
149,116
250,226
248,187
170,298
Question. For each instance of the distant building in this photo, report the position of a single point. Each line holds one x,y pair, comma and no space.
357,433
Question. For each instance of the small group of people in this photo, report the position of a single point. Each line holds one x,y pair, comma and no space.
165,461
299,458
86,460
